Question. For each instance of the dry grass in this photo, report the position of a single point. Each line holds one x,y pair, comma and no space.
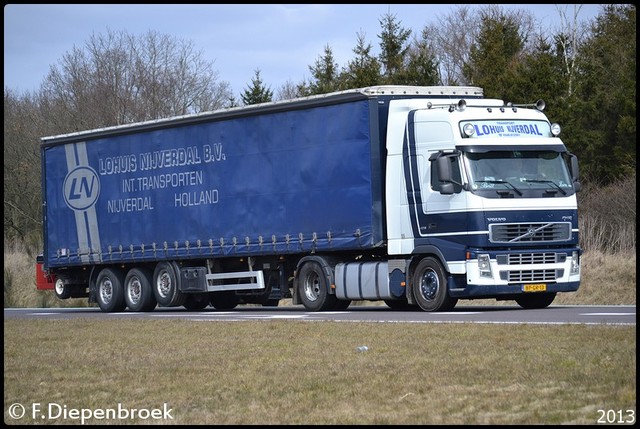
292,372
20,282
607,279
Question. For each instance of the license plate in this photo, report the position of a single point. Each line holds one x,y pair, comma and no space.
538,287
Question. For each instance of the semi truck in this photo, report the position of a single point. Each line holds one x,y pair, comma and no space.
413,196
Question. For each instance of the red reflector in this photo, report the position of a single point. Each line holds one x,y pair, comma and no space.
44,281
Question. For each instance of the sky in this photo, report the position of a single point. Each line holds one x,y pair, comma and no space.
280,40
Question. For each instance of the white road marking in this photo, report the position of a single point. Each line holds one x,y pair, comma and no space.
607,314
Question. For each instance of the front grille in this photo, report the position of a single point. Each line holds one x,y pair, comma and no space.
526,276
529,232
532,258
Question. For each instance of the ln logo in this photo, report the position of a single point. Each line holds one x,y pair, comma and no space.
81,188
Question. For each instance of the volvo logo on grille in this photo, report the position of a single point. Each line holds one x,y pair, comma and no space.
530,232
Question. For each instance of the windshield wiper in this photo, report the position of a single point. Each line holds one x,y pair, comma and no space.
501,182
548,181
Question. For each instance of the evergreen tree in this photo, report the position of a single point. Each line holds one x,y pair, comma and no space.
364,69
393,47
422,65
257,92
604,109
494,58
324,74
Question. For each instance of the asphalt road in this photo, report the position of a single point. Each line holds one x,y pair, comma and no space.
499,314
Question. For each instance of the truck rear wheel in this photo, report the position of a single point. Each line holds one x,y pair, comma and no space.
109,285
314,289
430,286
165,285
138,293
540,300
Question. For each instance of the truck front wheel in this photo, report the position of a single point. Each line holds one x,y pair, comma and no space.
430,286
138,293
110,294
314,289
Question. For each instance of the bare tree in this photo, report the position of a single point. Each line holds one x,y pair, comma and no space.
287,91
451,39
119,78
22,215
570,40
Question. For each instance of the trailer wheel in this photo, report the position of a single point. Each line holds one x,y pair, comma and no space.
62,291
314,289
430,286
165,285
224,300
109,285
196,301
138,293
531,302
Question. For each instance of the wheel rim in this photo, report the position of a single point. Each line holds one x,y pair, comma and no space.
134,290
106,290
429,285
312,287
59,287
163,285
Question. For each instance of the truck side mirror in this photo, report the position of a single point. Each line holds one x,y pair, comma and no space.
444,169
575,171
443,165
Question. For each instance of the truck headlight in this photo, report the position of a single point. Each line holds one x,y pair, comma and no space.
575,263
484,265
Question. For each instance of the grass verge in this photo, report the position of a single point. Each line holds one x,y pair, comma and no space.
293,372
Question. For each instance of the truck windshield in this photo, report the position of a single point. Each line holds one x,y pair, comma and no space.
518,171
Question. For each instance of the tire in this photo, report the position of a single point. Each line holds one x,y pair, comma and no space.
62,291
110,290
313,288
536,301
138,293
166,286
429,284
224,300
196,301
